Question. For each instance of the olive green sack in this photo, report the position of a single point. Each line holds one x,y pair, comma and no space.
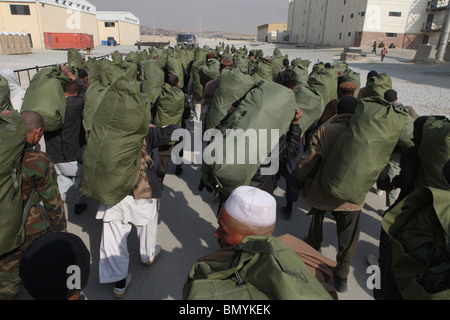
111,158
13,139
264,268
311,104
434,152
269,106
419,228
378,85
363,150
233,85
45,95
170,107
5,101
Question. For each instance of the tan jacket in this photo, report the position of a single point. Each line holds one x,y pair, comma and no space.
309,169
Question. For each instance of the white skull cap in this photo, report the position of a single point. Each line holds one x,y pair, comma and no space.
252,206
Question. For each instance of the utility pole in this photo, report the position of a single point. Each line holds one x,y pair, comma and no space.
444,36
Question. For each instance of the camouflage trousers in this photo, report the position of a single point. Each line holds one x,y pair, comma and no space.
10,282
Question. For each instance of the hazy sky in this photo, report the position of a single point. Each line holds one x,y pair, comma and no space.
242,16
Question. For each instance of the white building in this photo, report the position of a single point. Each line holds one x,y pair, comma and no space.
344,23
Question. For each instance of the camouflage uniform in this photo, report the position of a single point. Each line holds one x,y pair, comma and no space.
37,171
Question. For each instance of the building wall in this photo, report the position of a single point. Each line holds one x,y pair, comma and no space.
60,20
123,32
47,18
357,22
269,32
22,23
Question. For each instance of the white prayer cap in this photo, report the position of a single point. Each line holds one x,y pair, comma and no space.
252,206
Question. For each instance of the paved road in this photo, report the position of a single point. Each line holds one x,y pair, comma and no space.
186,227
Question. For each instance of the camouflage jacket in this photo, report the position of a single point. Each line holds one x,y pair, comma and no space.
38,171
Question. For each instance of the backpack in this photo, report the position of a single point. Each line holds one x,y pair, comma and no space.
263,268
12,213
419,230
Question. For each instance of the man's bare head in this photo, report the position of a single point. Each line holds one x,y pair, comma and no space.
34,126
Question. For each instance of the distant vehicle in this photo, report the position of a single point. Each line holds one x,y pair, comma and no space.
187,38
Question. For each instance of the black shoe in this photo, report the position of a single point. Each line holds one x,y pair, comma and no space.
79,208
340,284
178,170
287,211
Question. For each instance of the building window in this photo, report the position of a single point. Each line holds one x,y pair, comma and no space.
363,13
340,35
110,24
391,35
351,16
342,19
349,34
23,10
395,14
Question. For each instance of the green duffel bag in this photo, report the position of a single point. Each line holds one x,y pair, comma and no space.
13,139
111,158
117,57
174,66
301,62
434,152
362,151
45,95
232,158
211,70
378,85
5,101
324,80
419,229
263,70
351,76
311,103
299,74
240,62
233,85
75,60
262,268
152,79
108,74
170,107
197,87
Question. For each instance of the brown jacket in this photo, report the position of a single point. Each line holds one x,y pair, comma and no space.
309,169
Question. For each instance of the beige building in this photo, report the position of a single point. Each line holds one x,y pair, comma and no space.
359,23
122,27
49,23
272,32
37,18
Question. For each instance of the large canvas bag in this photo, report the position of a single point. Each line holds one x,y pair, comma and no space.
111,158
363,150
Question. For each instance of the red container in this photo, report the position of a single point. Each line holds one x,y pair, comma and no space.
64,41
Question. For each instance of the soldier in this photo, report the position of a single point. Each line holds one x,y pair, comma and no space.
38,174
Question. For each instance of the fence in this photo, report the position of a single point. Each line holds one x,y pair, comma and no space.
30,72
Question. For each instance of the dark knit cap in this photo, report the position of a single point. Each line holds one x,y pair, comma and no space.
372,73
347,104
44,266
